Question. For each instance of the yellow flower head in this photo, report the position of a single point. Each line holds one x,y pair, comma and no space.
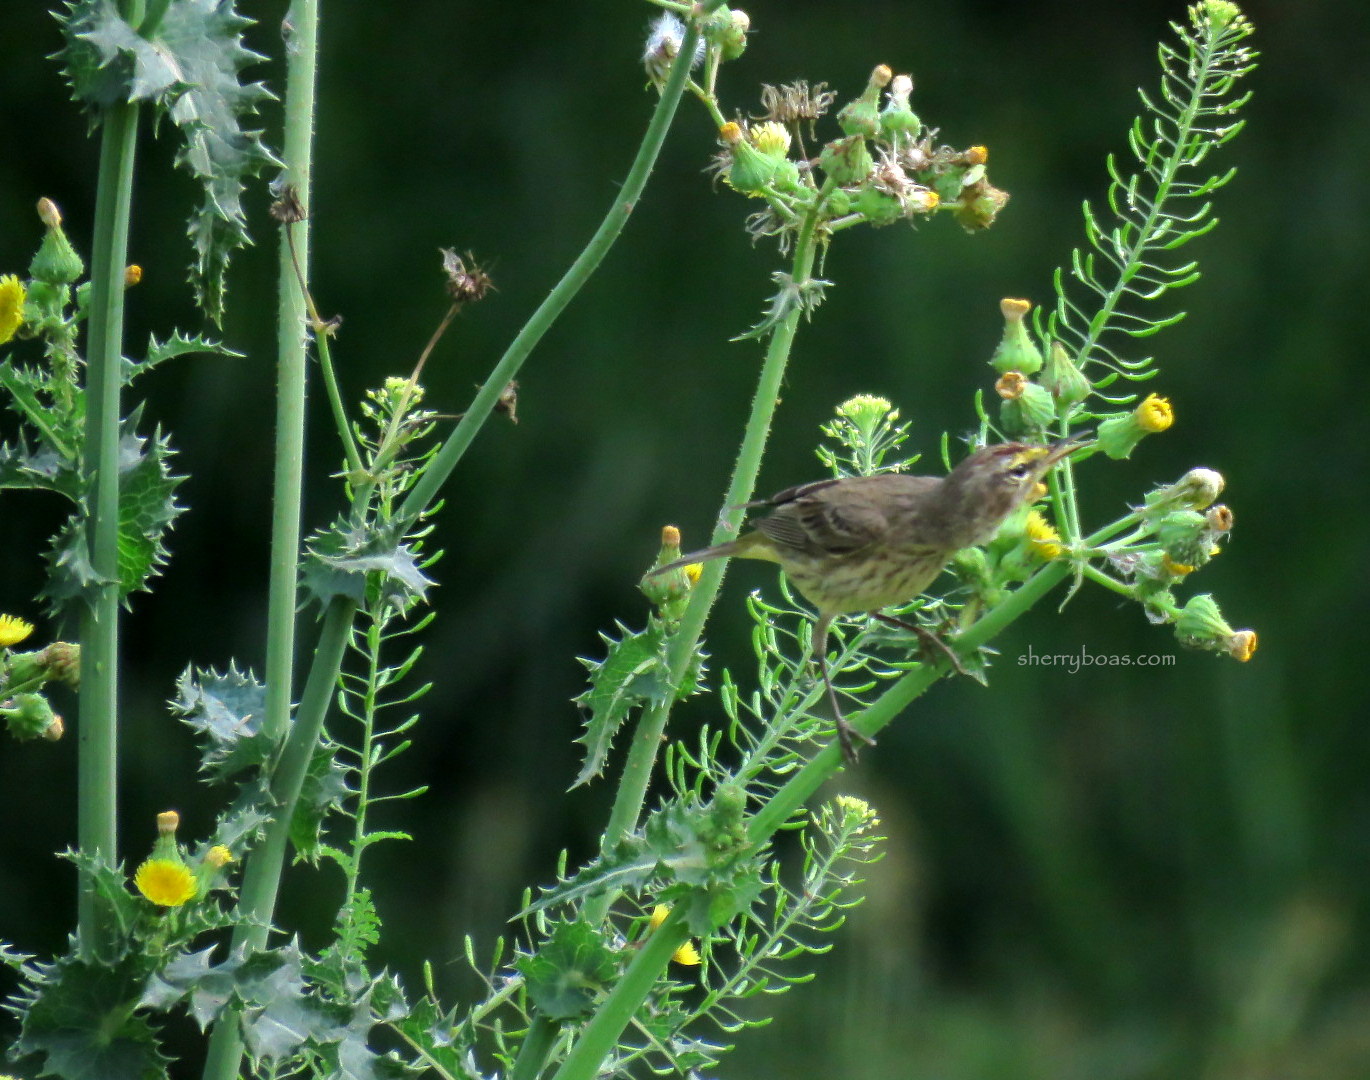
218,856
12,296
977,155
687,954
692,572
1179,569
166,882
1045,540
771,138
1154,414
13,630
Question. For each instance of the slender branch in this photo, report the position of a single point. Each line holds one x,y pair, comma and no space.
435,475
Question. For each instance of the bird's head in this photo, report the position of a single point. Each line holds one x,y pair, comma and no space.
988,486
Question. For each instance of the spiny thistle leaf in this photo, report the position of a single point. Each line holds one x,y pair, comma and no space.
325,787
176,346
633,673
147,507
569,970
189,71
340,559
227,712
79,1018
208,987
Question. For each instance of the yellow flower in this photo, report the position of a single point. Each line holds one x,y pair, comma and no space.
166,882
11,306
771,138
218,856
1179,569
1045,540
858,810
1154,414
692,572
687,954
13,630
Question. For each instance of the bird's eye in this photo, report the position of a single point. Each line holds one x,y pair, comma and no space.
1019,471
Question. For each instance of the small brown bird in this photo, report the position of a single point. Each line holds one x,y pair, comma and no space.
861,543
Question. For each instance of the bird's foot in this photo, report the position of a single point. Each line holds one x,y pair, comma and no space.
933,648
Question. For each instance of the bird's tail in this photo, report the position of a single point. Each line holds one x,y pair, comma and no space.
718,551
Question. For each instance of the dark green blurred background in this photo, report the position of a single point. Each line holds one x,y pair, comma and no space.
1110,874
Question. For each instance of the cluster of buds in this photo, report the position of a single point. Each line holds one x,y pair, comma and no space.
883,168
23,676
1028,405
723,32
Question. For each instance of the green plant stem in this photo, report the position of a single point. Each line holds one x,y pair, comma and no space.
537,1044
646,741
257,900
614,1014
440,468
261,882
291,344
97,799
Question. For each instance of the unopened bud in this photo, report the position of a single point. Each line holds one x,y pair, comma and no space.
133,274
1195,490
897,118
1016,351
846,161
56,262
862,116
1063,380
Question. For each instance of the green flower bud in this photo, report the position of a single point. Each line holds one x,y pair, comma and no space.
1185,537
1201,625
751,170
670,591
1195,490
787,179
879,207
728,30
862,116
839,202
28,716
846,161
1063,380
1025,408
56,262
1017,351
1119,435
897,120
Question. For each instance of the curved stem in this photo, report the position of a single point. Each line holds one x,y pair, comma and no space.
97,798
435,475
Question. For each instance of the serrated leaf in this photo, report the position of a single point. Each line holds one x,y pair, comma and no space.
340,560
325,787
227,712
189,71
572,966
208,987
78,1017
632,673
176,346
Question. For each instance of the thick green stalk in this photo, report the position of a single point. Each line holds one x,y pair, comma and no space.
288,483
435,475
602,1033
261,882
257,900
97,799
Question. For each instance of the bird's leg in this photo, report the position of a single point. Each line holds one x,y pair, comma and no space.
844,730
933,647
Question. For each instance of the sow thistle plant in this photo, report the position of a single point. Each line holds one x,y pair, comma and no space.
657,953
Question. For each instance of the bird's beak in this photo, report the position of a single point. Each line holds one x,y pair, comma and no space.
1064,448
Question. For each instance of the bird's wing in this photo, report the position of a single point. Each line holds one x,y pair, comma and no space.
820,526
